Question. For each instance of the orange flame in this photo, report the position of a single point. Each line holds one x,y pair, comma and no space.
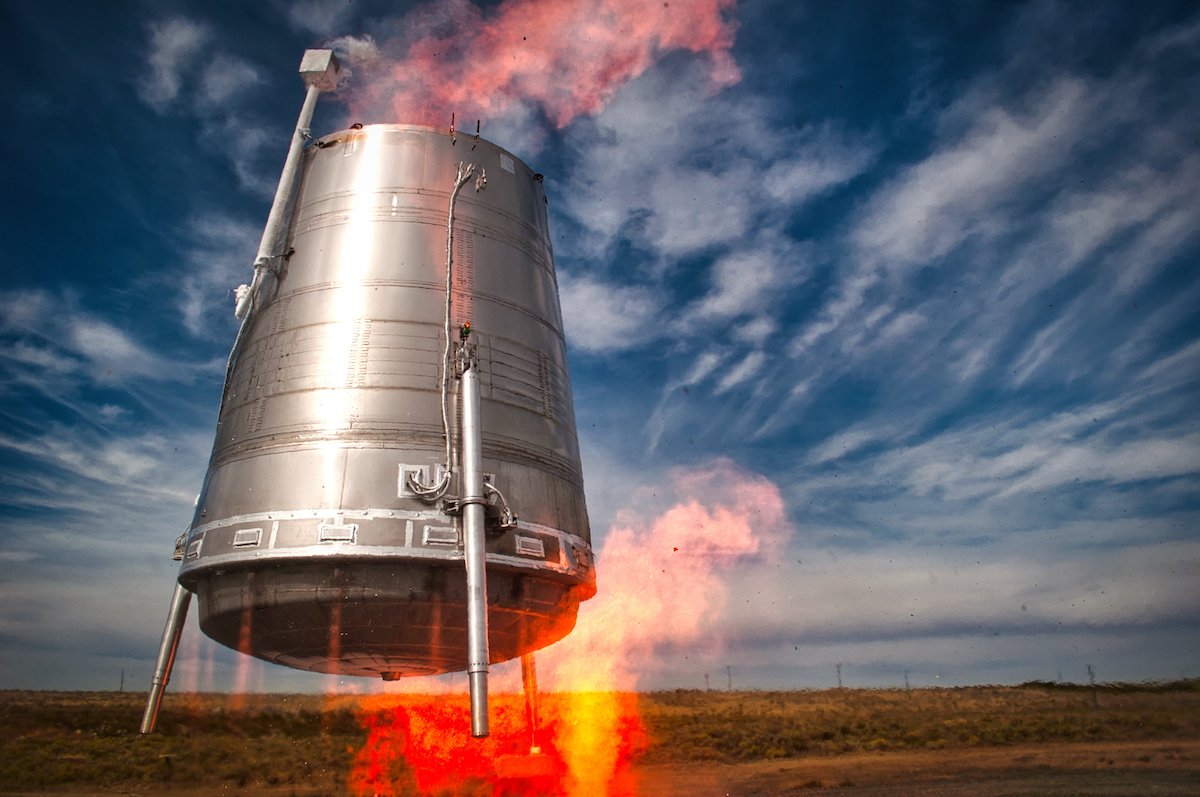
662,583
567,57
420,743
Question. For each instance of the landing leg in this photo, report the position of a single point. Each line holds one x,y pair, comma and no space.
166,655
535,772
474,547
529,681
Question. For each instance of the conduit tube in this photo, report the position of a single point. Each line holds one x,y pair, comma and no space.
473,546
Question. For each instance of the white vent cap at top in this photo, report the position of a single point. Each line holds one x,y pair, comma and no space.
320,68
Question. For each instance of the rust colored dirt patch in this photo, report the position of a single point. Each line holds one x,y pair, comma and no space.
1104,768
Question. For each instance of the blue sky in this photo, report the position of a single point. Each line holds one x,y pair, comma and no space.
929,269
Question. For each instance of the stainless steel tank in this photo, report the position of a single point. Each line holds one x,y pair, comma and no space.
309,546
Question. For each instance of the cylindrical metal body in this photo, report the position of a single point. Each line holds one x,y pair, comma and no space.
308,547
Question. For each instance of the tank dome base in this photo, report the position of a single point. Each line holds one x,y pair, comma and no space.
379,619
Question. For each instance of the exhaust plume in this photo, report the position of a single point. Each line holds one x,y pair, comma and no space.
562,57
662,582
663,587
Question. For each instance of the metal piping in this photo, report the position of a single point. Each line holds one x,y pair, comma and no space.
320,70
472,503
276,222
166,655
435,490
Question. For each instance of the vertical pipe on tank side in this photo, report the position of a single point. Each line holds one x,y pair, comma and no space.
473,547
166,655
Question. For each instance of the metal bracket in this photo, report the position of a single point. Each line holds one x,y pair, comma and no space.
504,516
180,546
421,474
465,356
499,518
455,506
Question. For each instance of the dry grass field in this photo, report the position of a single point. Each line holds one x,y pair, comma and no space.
979,741
1034,739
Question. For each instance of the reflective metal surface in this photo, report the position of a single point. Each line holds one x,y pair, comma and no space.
474,546
309,547
167,648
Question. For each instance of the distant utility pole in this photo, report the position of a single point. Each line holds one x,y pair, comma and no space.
706,689
122,680
839,674
1092,681
729,675
906,688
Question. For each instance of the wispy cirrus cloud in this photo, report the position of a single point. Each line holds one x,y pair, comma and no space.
175,47
749,280
219,249
318,16
52,333
968,259
677,169
99,448
744,370
224,78
184,75
955,193
677,172
603,317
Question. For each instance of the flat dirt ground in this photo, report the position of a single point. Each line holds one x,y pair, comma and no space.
1102,769
1035,740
